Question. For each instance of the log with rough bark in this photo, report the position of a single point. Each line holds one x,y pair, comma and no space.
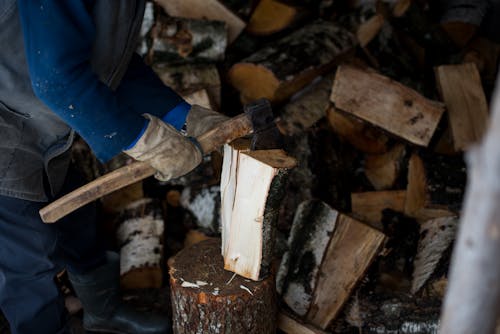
383,170
140,239
473,298
368,206
205,9
206,299
282,68
307,109
187,79
462,92
386,103
177,40
359,134
435,185
252,187
272,16
328,254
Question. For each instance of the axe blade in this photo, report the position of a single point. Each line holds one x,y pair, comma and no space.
266,135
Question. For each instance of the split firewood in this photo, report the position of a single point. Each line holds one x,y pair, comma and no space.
436,236
252,187
486,55
205,9
461,90
386,103
204,204
328,254
272,16
281,69
383,170
369,29
208,299
359,134
307,109
140,239
290,325
118,201
187,79
435,186
368,206
179,40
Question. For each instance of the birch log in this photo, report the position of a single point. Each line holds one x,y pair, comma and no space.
473,299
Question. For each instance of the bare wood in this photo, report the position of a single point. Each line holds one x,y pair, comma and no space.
236,127
351,251
208,299
251,190
290,325
461,90
384,169
473,298
386,104
281,69
369,29
205,9
368,206
359,134
271,16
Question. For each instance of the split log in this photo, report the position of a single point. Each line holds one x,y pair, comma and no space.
328,254
282,68
140,239
359,134
461,90
205,9
179,40
205,205
307,109
187,79
289,325
368,206
383,170
435,186
272,16
387,104
207,299
252,187
369,29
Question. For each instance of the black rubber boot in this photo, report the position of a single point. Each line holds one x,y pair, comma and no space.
103,310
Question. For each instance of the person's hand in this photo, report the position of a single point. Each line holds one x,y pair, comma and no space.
166,150
200,120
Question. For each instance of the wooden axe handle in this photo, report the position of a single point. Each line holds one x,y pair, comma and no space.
224,133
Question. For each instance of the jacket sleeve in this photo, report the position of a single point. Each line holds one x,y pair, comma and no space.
58,37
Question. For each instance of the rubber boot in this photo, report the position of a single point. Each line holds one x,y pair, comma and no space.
103,309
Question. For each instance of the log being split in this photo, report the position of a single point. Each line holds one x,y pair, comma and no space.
328,254
206,299
252,187
387,104
140,238
180,40
281,69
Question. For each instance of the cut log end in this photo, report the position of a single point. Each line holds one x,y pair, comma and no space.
255,80
270,17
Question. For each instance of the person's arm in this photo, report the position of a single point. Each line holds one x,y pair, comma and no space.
58,39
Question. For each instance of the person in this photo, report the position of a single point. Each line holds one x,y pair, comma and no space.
66,67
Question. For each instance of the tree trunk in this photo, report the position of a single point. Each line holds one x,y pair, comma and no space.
206,299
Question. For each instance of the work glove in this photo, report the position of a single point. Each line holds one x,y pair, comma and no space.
200,120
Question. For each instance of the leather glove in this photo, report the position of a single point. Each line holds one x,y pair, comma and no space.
200,120
166,150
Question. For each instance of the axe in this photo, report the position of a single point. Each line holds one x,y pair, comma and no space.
257,120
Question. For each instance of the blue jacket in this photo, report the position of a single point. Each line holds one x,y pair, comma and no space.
75,69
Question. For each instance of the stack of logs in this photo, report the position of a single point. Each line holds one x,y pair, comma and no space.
354,232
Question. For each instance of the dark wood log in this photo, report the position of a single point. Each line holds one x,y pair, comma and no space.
282,68
252,187
206,299
179,40
140,240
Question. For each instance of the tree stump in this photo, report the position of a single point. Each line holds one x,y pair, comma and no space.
207,299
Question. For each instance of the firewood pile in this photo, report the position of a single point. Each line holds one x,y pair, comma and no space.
376,101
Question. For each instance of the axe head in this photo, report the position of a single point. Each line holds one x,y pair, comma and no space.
266,135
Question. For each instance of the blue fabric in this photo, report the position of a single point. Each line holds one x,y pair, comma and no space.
31,253
58,38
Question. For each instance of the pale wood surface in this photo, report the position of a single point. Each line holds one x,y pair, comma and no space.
382,170
205,9
369,29
291,326
461,90
271,16
386,103
368,206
